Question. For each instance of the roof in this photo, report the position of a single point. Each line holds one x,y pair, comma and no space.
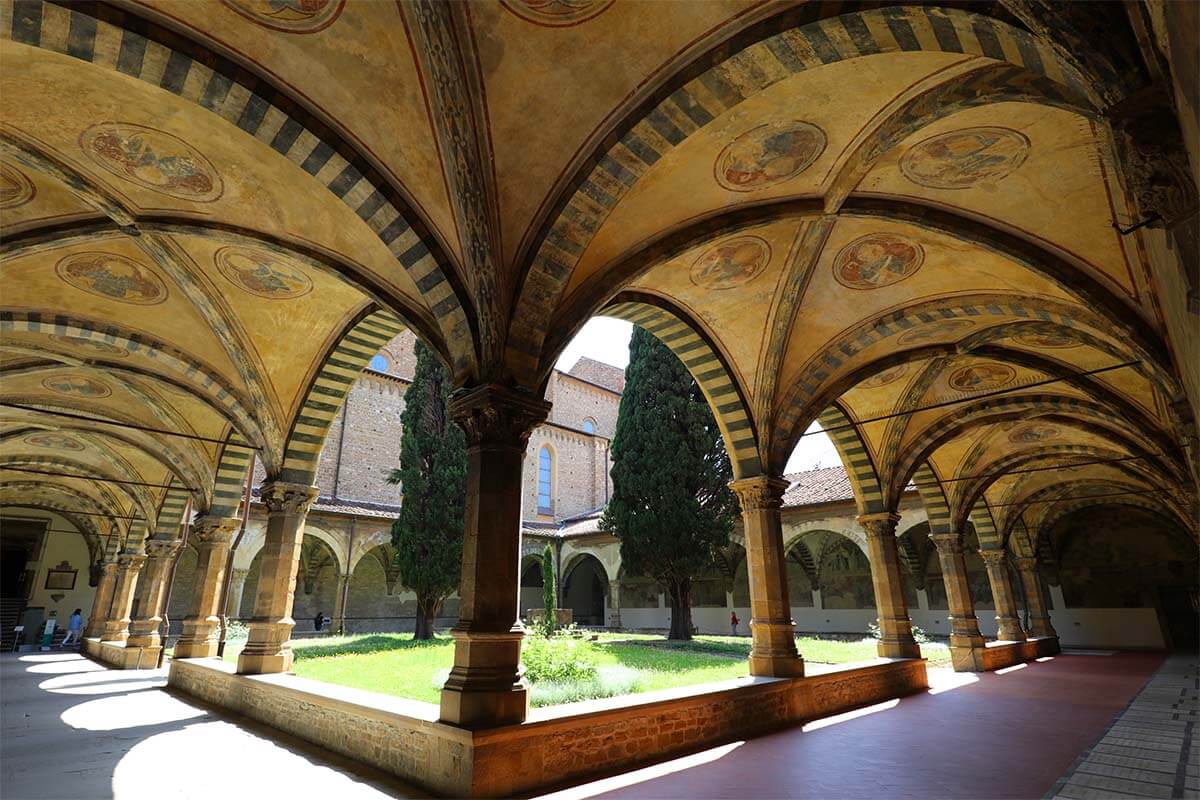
599,373
827,485
359,508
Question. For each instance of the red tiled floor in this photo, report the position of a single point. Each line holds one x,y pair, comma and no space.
1009,735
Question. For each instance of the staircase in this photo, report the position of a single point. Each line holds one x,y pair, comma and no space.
10,617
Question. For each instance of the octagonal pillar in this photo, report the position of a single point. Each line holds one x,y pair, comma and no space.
966,642
1003,596
895,628
201,625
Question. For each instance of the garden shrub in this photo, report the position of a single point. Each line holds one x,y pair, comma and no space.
558,660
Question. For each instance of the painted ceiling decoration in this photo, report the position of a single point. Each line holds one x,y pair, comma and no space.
937,231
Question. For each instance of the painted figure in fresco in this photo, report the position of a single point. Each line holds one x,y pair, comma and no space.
731,263
1032,433
15,188
294,16
136,156
980,376
262,275
53,441
770,154
877,260
884,378
112,276
963,158
76,384
1052,340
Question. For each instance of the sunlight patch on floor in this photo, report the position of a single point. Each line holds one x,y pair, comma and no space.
129,710
645,774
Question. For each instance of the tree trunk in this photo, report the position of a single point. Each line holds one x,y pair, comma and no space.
680,595
427,612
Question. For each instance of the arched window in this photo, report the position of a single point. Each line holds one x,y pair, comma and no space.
379,363
589,425
545,471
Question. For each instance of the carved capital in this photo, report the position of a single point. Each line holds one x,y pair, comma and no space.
879,525
162,548
215,530
992,557
496,415
1026,563
131,562
287,498
1154,159
947,543
109,567
760,491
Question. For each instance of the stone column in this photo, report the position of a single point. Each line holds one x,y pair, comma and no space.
966,642
895,628
103,599
116,627
772,631
268,648
614,604
486,687
1002,595
201,626
1035,598
147,615
338,623
237,586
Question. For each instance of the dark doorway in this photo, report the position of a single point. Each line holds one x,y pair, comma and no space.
1181,614
20,540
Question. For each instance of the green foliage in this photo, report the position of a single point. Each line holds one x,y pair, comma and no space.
611,681
559,660
428,534
919,634
236,630
671,507
549,592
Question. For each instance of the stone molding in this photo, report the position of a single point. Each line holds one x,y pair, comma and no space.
494,415
759,492
287,498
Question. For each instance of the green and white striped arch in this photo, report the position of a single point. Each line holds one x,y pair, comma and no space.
856,458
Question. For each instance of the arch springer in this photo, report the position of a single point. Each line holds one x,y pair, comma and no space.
947,542
493,414
760,491
285,498
880,524
212,530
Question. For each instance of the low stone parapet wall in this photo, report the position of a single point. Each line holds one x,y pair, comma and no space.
998,655
116,654
555,746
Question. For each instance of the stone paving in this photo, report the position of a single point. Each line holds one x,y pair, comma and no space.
1152,749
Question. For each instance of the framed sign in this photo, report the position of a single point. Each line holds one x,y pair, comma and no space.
61,577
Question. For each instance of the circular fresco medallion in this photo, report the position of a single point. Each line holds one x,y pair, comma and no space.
1031,433
935,330
262,274
877,260
77,385
113,276
557,13
961,159
53,441
889,375
981,377
102,348
289,16
152,159
731,263
15,188
1046,340
769,154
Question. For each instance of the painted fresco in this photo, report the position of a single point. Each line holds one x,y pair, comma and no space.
262,274
557,13
961,159
113,276
1046,340
152,159
981,377
289,16
15,189
53,441
1033,432
731,263
769,154
76,385
884,377
877,260
845,577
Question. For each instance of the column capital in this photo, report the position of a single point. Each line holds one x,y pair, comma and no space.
948,542
109,567
992,556
131,561
883,524
162,548
760,491
492,414
1026,563
287,498
214,530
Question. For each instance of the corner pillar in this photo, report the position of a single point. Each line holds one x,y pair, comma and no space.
895,628
116,627
614,604
486,687
966,642
268,646
1002,595
201,625
147,615
772,630
102,602
1035,599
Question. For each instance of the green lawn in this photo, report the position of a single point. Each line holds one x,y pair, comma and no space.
624,662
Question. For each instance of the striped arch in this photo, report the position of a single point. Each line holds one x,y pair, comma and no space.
709,369
856,457
114,39
721,81
1049,495
1056,511
170,513
1021,543
140,496
340,369
985,527
937,507
230,481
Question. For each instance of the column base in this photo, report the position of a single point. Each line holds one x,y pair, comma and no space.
486,687
898,648
1040,631
773,651
195,649
114,632
199,638
776,666
264,663
268,648
968,657
1010,631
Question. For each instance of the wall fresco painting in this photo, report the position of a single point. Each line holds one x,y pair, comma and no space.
962,159
262,274
289,16
981,377
731,263
877,260
15,189
113,276
769,154
152,159
53,441
557,13
76,386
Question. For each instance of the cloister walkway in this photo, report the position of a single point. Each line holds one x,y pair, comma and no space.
73,729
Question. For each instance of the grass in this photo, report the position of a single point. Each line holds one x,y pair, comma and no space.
624,663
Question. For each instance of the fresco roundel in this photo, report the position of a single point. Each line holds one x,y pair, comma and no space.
731,263
1046,340
53,441
981,377
889,375
289,16
877,260
935,330
76,385
15,188
557,13
769,154
79,342
112,276
262,274
961,159
152,159
1032,433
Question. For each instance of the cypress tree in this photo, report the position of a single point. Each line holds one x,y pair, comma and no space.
428,534
549,592
671,507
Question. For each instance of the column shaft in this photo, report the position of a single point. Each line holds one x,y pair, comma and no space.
201,625
102,602
268,646
147,615
486,686
116,627
614,604
895,628
966,642
1035,599
1002,595
773,633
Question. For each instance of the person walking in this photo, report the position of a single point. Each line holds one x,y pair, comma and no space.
74,625
733,623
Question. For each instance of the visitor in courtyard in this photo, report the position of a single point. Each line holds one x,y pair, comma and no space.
319,621
733,623
74,624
